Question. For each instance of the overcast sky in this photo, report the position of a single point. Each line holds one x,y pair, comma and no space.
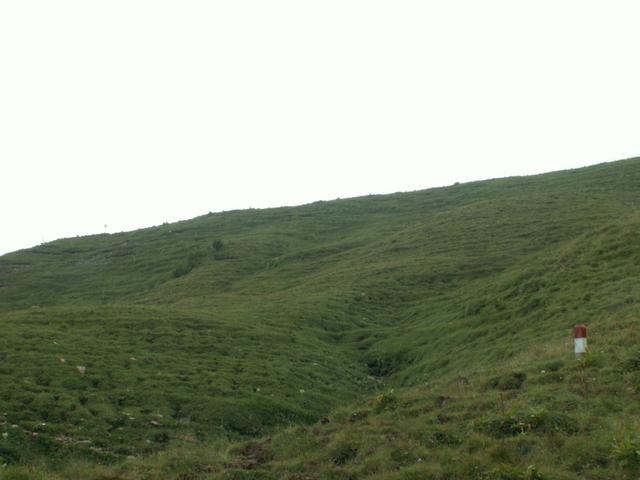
132,113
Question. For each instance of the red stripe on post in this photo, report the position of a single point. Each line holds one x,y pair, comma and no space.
580,331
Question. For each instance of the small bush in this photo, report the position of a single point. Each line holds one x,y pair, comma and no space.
403,456
181,271
193,260
591,360
385,366
441,438
474,308
625,451
511,381
539,421
554,365
217,245
385,401
632,362
252,450
161,437
343,452
531,305
358,416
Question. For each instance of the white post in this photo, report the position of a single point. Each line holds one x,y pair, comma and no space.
580,340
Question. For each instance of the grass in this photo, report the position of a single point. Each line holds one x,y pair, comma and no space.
414,335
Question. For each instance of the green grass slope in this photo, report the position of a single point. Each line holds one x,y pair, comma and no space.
185,338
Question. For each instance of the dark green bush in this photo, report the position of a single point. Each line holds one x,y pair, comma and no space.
193,260
539,421
510,381
383,366
217,245
343,452
554,365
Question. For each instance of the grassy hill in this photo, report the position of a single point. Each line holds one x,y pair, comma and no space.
413,335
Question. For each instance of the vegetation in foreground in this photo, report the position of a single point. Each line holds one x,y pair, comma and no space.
417,335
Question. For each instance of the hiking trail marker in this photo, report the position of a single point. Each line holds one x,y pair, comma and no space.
580,340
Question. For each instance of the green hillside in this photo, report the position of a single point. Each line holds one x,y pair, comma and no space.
407,336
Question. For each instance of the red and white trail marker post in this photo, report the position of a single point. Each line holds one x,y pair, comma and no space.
580,340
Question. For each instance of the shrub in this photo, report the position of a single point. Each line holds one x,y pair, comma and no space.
540,421
217,245
626,452
358,416
474,308
343,452
385,401
402,456
632,362
383,366
554,365
511,381
252,450
441,438
193,260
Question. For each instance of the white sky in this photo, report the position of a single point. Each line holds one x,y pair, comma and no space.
131,113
